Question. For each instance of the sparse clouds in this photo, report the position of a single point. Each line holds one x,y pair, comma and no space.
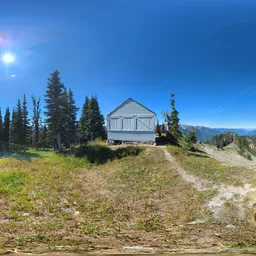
240,97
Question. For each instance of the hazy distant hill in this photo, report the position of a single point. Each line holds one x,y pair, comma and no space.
202,133
205,133
252,133
240,132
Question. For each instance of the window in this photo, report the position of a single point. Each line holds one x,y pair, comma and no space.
114,124
128,124
144,123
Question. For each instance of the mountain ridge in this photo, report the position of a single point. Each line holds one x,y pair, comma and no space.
206,133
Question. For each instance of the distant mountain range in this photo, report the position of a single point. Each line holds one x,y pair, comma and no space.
206,133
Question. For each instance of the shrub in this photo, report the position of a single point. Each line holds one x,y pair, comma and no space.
99,154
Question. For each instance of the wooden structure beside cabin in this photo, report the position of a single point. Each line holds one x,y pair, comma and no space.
131,122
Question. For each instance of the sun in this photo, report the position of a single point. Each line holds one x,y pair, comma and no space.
8,58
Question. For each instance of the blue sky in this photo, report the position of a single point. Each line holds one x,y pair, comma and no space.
203,51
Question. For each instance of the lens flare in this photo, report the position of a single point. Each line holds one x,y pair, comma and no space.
8,58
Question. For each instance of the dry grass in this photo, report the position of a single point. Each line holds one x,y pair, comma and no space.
64,202
200,164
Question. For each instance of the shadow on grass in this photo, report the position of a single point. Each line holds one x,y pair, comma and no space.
161,141
26,156
198,155
99,154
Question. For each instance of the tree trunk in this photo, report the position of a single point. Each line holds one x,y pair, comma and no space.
59,142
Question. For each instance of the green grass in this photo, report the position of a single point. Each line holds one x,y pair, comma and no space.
205,167
64,202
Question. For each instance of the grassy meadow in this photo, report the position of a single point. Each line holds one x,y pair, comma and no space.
98,198
201,165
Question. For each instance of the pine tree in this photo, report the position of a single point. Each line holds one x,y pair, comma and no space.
95,120
17,125
36,121
65,119
54,109
163,128
83,126
68,134
192,136
6,126
13,127
43,140
158,129
189,140
26,124
72,116
1,126
174,131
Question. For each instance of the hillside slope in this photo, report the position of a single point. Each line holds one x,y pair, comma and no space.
243,145
64,202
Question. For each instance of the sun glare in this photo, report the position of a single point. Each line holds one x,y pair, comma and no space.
8,58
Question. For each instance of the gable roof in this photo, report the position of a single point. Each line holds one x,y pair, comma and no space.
127,101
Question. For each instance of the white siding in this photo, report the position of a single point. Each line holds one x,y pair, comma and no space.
114,123
144,123
128,124
131,122
133,108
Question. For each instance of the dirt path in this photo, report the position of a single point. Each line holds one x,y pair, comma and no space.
197,183
241,198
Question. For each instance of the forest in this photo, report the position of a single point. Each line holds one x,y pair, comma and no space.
60,126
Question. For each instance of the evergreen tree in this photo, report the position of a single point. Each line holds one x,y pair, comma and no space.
95,120
83,126
72,117
17,125
25,119
192,136
6,126
43,140
189,140
1,126
65,119
68,135
163,128
174,131
36,121
158,129
13,127
54,109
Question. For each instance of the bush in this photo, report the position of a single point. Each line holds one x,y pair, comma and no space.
249,157
99,154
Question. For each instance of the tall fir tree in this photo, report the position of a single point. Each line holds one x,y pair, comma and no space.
95,120
6,126
68,134
26,122
54,109
65,119
189,140
43,140
83,126
13,127
17,125
72,116
1,126
158,129
174,131
36,121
